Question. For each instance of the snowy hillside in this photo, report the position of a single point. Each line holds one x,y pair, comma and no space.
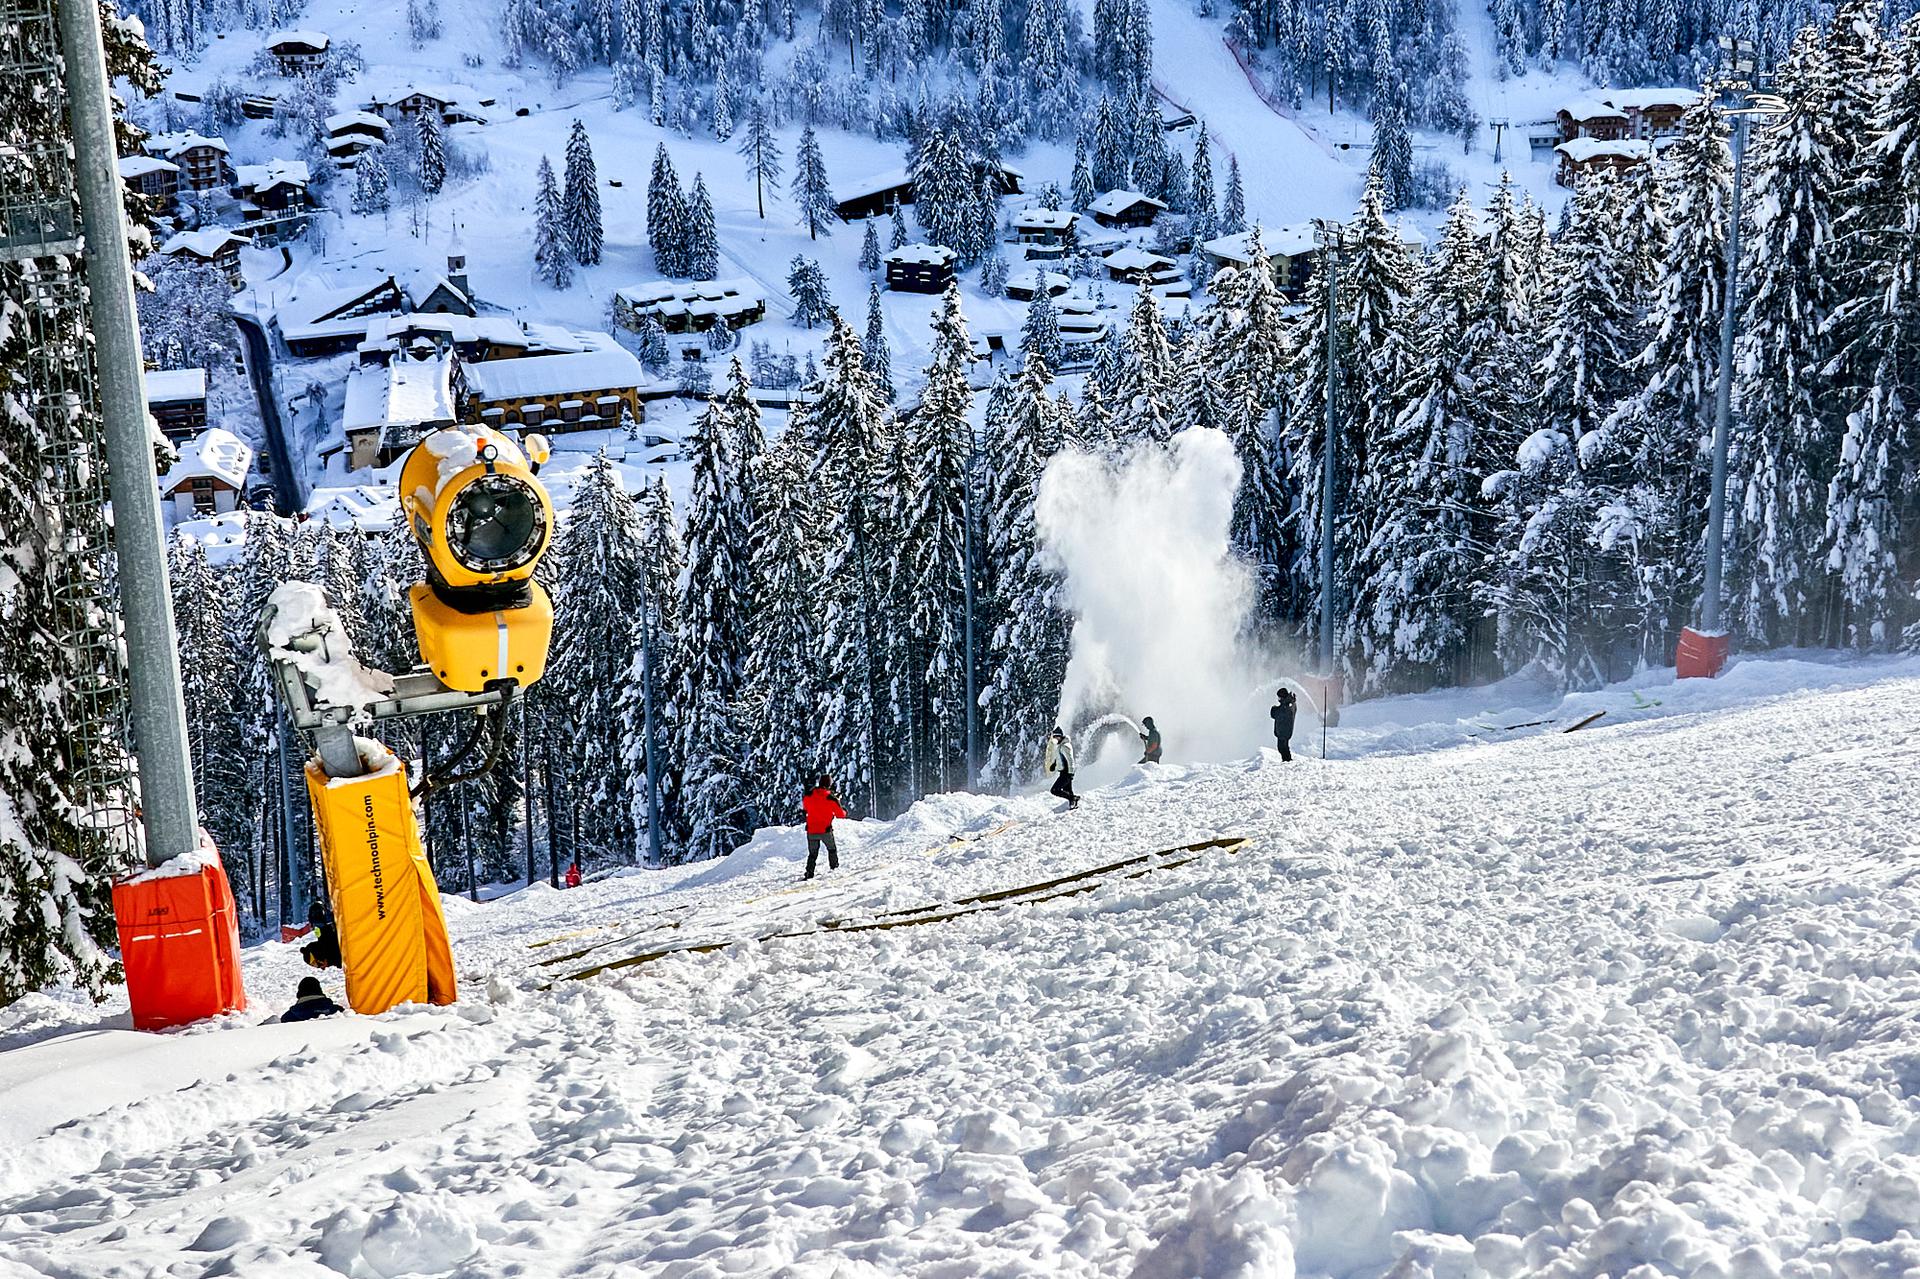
1473,1000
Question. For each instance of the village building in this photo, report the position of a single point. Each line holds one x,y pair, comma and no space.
151,176
1081,326
1047,233
475,339
1126,209
555,394
879,194
920,268
210,477
298,52
323,321
177,399
217,246
1291,249
351,132
389,406
1026,285
1580,157
1132,265
1626,115
454,104
273,198
202,161
689,306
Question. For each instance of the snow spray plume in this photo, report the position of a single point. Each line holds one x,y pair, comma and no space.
1158,599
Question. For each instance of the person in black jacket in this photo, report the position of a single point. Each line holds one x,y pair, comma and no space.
1284,707
309,1002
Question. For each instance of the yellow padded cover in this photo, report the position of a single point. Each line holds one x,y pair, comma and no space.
386,907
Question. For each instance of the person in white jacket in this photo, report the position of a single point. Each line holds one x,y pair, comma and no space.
1060,762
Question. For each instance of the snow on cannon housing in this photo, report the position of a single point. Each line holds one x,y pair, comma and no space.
472,500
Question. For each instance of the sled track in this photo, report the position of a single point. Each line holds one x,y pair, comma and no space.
1074,885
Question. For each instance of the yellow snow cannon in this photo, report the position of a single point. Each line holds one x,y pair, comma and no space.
483,519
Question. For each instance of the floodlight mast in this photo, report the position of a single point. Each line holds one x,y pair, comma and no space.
156,707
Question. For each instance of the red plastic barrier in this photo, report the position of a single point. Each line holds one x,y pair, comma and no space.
1700,656
180,945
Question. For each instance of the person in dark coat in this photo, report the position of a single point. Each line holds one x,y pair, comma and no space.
1060,762
1150,740
1285,705
821,809
309,1001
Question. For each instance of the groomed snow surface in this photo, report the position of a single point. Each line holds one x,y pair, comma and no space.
1638,1000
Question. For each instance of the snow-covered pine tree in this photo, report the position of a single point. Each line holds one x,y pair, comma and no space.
812,193
873,347
595,645
1040,335
552,261
1788,429
1205,199
807,285
1871,498
716,611
1374,280
1233,209
870,249
662,566
897,231
581,201
1418,600
206,686
851,432
1109,146
762,150
1026,657
1556,601
933,539
722,106
781,680
703,238
942,189
1082,181
1236,370
993,274
371,182
1648,462
433,152
1144,396
666,217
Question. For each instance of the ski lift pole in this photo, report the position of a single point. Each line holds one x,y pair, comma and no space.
156,707
646,694
973,692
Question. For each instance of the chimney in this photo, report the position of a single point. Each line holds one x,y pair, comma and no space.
457,273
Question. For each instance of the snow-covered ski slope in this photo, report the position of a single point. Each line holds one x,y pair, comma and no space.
1642,999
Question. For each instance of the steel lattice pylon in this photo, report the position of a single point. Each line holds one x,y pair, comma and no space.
40,245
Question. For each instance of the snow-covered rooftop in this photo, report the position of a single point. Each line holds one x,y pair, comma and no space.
408,391
1114,202
1029,282
214,452
173,144
1581,150
1044,219
171,386
204,243
1133,259
1593,109
654,292
138,166
264,177
534,376
922,255
1651,98
344,120
311,39
385,330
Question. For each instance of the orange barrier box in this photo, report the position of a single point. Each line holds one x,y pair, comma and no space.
180,945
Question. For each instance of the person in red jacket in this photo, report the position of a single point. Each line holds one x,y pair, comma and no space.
573,874
822,808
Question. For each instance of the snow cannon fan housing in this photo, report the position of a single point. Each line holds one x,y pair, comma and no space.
483,518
